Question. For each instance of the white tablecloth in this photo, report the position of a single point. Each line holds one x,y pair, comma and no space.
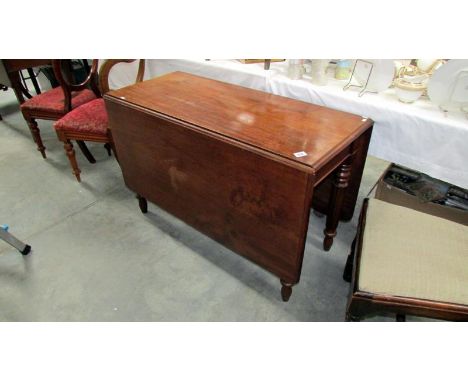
416,135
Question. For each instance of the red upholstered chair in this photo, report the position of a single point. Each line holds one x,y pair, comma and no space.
89,121
55,103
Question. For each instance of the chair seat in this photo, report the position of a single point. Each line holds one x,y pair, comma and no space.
89,118
53,100
407,253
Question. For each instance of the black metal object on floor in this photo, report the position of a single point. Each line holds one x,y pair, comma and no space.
13,241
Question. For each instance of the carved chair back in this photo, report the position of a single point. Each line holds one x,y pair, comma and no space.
109,64
63,75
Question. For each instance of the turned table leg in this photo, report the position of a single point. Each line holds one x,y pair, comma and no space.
342,176
142,202
286,290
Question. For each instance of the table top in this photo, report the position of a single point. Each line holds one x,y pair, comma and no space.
276,124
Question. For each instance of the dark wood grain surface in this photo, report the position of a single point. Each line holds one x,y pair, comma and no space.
280,125
12,65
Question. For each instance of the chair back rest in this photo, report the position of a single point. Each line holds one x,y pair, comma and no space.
109,64
64,78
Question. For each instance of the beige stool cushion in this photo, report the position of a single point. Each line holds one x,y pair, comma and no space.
411,254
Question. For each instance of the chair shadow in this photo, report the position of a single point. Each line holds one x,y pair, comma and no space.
9,109
19,130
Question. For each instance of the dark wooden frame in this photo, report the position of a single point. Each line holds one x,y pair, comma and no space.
13,68
362,304
67,136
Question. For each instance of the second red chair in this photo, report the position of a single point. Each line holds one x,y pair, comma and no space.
89,122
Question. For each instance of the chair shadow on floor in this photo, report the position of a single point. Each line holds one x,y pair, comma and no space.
17,129
9,109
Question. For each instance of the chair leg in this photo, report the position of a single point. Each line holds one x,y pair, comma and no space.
84,149
72,158
36,135
348,269
108,147
142,203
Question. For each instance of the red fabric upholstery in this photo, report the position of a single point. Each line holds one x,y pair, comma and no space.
53,100
88,118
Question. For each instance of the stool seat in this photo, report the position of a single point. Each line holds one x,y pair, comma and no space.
408,262
413,254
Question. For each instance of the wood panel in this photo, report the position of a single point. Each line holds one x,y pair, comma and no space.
253,205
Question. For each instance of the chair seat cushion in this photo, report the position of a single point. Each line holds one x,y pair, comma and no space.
412,254
53,100
89,118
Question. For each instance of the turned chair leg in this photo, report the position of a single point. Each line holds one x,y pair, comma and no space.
72,158
36,135
143,204
108,148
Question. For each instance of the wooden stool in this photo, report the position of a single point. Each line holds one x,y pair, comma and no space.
408,262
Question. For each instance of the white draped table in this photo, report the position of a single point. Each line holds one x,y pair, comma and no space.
417,135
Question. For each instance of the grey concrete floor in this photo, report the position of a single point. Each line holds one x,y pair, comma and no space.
97,258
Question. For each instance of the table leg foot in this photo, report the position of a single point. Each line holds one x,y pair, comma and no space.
328,241
142,202
286,290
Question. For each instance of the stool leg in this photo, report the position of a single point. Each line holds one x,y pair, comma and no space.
348,269
72,158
